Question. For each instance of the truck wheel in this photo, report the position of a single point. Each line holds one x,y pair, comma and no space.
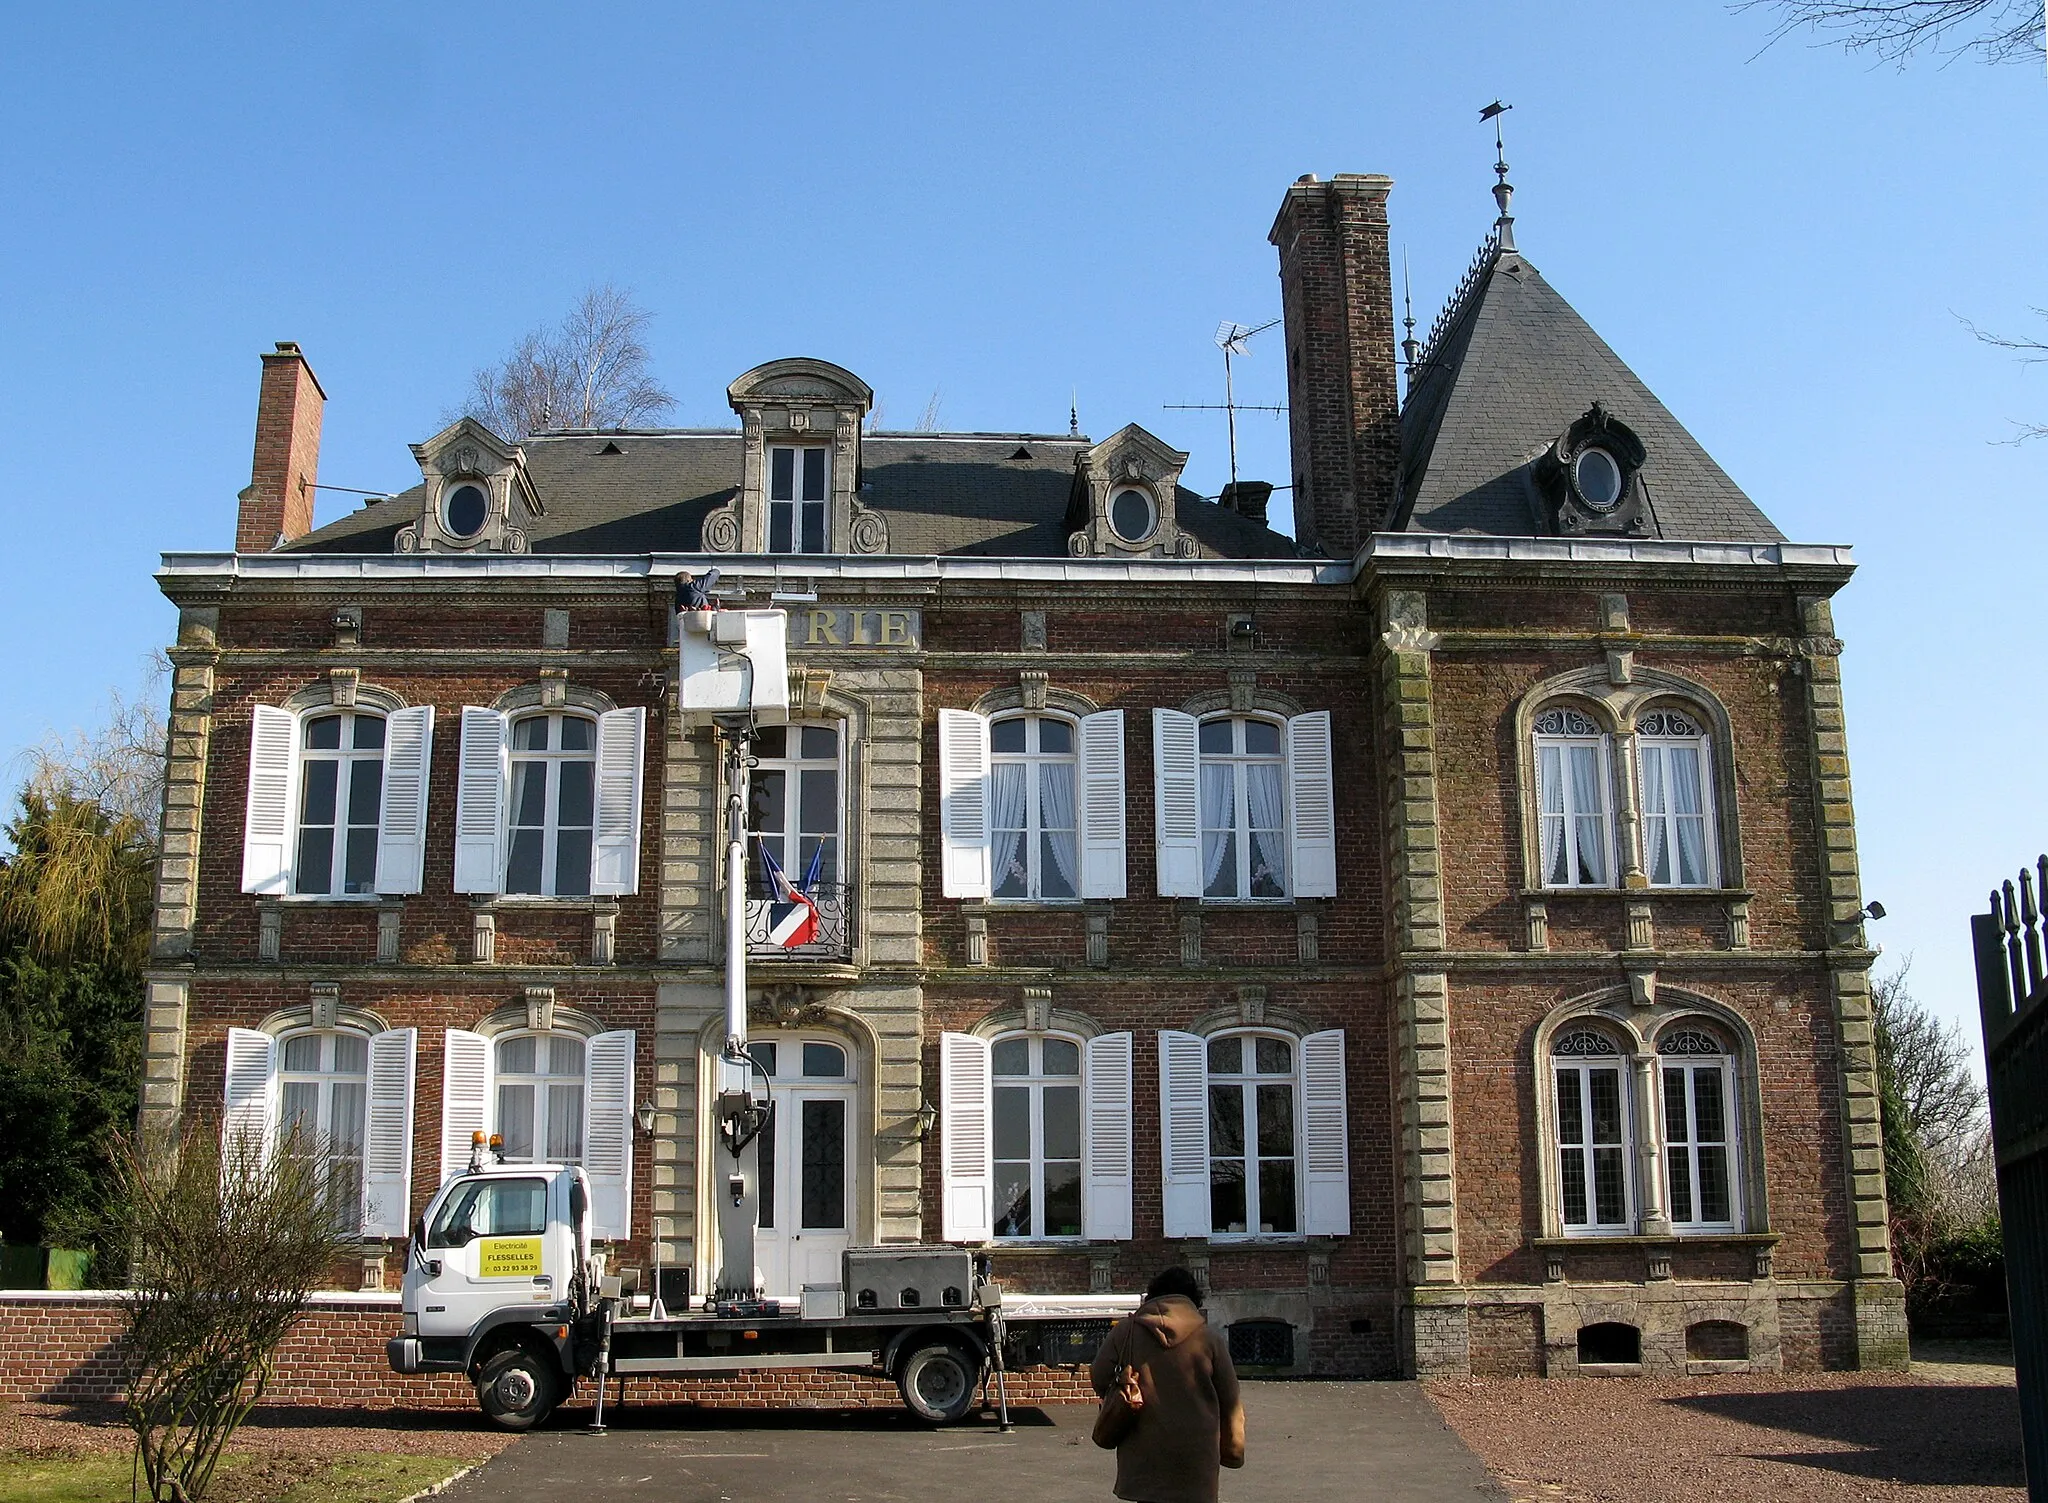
517,1390
937,1382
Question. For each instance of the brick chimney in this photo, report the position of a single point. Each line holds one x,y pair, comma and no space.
1344,408
278,505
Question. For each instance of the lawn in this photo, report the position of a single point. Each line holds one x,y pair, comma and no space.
104,1478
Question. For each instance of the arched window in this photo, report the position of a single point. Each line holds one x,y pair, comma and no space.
540,1080
1031,814
323,1097
1589,1079
1673,759
1253,1133
553,805
1036,1087
1575,828
1243,785
341,795
1699,1130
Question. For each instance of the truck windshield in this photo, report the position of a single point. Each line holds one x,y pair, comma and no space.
490,1208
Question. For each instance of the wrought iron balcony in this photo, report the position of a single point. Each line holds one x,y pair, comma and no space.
834,901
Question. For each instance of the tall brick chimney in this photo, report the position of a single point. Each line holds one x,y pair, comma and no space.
278,505
1344,407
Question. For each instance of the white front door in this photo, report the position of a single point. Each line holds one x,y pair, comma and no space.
807,1170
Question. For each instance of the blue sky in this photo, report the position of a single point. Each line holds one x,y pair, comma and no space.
1007,205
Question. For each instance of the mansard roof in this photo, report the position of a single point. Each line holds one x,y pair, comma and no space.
1511,367
990,494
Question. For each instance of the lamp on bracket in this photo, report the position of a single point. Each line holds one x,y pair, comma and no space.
927,1119
643,1114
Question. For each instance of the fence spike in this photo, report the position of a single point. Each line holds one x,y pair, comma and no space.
2015,959
2030,917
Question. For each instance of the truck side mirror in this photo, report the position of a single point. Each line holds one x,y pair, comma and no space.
579,1202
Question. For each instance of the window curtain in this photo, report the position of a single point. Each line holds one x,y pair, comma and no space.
1550,801
1589,810
1219,820
1263,791
1056,819
1006,825
1689,814
1656,832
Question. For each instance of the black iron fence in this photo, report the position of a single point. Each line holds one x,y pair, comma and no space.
2012,994
834,939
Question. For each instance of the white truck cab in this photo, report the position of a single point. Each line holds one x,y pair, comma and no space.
499,1272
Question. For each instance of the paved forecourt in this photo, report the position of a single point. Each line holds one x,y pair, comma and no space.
1309,1441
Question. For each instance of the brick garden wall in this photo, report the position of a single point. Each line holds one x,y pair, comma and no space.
68,1349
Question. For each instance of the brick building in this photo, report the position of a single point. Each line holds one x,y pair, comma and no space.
1443,934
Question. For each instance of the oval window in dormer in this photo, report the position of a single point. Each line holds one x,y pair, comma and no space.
1597,478
1131,515
464,509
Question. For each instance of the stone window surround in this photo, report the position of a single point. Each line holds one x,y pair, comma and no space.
1636,1029
1039,698
803,402
1614,707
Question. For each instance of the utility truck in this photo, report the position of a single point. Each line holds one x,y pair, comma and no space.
502,1284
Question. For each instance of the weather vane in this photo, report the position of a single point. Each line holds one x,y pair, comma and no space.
1502,190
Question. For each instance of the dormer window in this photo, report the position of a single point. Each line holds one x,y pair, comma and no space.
799,485
1592,476
464,509
1132,514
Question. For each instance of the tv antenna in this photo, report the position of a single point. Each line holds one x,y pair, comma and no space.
1233,339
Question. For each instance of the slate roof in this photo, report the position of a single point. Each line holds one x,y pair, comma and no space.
1516,368
942,493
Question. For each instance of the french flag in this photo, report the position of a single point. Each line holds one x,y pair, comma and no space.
792,916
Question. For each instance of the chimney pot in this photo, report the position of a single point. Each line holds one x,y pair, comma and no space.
1248,498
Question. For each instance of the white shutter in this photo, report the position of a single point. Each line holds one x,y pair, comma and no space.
1177,807
966,1144
1311,808
1102,805
608,1133
1325,1143
387,1134
249,1115
402,818
1184,1133
963,804
465,1097
480,798
267,831
1106,1140
621,743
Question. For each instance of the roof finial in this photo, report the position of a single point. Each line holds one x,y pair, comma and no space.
1074,413
1410,348
1503,191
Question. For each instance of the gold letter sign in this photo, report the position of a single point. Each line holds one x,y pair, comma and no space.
844,626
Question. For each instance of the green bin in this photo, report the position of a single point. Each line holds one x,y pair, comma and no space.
68,1268
21,1266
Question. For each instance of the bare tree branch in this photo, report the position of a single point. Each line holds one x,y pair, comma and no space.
590,372
928,420
1996,31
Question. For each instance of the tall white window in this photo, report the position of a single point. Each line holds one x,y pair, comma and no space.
1252,1134
1037,1099
554,805
1590,1080
1244,808
799,481
1031,813
341,795
323,1094
1699,1131
1574,828
1678,800
540,1097
793,803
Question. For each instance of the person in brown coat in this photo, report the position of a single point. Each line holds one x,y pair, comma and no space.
1192,1422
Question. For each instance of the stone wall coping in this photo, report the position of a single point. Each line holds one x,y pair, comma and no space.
331,1299
1676,1239
199,571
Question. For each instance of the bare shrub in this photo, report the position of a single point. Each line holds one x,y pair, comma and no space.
230,1236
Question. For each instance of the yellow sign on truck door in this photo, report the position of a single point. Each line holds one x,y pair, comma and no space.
508,1257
